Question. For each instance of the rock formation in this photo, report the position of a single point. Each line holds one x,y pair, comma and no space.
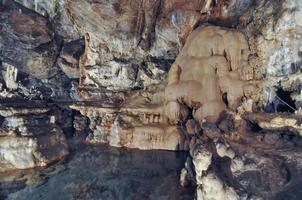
29,137
212,63
132,127
220,79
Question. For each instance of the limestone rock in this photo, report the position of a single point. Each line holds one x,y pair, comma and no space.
222,151
237,165
141,128
202,159
70,56
29,138
193,127
28,152
10,76
80,123
9,111
277,122
169,138
184,179
205,69
130,44
213,188
43,7
114,61
26,40
56,11
278,45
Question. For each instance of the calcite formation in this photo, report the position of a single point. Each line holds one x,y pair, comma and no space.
213,188
207,76
212,63
142,128
10,76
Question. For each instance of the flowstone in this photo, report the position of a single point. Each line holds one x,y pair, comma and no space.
212,65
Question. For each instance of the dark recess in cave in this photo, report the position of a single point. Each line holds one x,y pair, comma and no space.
254,127
282,103
283,107
1,120
225,99
23,78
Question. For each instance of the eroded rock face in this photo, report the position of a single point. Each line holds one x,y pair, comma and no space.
29,138
131,44
125,40
30,46
56,11
27,40
276,40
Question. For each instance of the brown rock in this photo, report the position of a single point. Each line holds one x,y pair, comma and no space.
70,56
26,40
192,127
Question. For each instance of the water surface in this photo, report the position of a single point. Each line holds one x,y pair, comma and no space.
102,173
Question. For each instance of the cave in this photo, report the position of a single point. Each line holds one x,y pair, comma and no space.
150,99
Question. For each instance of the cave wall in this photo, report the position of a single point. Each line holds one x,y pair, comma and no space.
208,76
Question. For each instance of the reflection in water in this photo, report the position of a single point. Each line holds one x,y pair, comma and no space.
102,173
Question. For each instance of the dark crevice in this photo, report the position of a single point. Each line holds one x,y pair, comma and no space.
161,62
225,99
43,47
254,127
284,101
288,135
